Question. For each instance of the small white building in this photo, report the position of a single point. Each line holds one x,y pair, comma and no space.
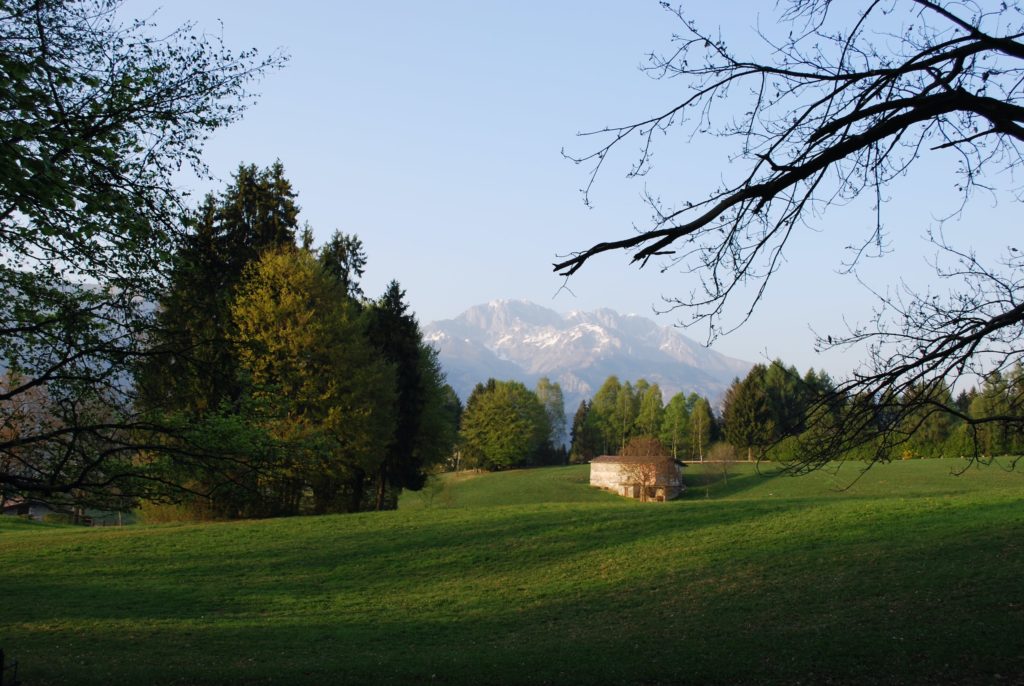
644,478
23,507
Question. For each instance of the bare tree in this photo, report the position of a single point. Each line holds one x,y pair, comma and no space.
642,476
842,104
649,468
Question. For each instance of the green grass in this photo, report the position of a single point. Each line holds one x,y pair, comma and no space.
909,576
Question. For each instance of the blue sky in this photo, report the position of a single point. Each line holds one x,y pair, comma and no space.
434,131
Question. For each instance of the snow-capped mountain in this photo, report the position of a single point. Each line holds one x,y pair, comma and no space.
515,339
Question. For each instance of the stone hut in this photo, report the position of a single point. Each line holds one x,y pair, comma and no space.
23,507
656,477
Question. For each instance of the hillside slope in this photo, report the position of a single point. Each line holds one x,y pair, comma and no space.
911,576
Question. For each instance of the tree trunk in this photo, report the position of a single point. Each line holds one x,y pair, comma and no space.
381,488
356,497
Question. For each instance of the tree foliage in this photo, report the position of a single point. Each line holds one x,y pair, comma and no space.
702,426
585,436
604,408
316,382
747,413
96,117
423,431
344,257
191,365
504,425
550,395
620,412
841,101
675,427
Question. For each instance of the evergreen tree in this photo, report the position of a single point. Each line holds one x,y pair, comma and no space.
747,412
964,399
787,399
586,439
995,401
344,257
416,442
929,426
192,367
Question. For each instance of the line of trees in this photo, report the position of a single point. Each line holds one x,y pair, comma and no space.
153,351
776,413
307,396
622,412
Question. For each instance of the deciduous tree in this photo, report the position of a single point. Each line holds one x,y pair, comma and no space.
96,118
504,425
318,385
550,396
701,426
191,365
604,408
675,426
649,417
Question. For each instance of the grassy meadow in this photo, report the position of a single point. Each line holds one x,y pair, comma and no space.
909,575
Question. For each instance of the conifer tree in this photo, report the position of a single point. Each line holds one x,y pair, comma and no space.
417,440
747,413
344,257
787,399
192,367
586,439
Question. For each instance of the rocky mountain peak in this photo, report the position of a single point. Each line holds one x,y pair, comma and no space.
518,339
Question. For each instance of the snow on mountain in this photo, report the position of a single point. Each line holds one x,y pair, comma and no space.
515,339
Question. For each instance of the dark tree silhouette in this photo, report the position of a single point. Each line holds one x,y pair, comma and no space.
846,100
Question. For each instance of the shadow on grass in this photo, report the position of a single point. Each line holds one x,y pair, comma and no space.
712,482
815,607
171,575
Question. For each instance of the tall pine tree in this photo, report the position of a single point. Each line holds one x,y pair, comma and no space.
192,368
422,434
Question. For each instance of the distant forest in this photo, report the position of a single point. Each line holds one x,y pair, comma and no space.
773,413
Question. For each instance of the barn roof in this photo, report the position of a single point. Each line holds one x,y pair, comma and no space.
631,459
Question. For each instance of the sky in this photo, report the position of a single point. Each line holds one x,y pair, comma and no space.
435,132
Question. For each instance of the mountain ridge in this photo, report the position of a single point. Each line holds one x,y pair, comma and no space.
520,340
